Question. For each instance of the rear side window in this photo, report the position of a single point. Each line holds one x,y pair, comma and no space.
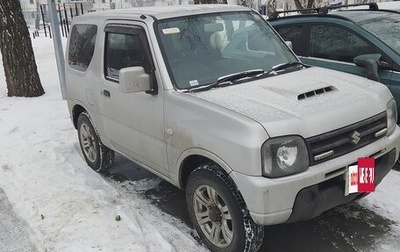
81,46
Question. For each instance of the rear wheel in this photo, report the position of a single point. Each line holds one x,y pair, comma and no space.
97,156
218,212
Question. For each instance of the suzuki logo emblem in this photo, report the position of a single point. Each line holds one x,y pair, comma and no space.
356,137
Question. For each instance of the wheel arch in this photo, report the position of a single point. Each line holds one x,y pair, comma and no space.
190,159
76,111
249,235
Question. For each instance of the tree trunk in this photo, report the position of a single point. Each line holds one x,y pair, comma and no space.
298,5
210,1
271,7
19,63
310,4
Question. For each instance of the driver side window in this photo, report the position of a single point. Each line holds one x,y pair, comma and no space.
121,50
336,43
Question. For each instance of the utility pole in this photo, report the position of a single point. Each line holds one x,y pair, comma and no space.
58,49
37,19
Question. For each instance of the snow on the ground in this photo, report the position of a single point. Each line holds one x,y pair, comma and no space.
67,206
385,201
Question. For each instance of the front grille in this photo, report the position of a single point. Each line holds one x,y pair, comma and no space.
347,139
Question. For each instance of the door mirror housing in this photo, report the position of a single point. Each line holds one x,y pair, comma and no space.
134,79
361,60
371,63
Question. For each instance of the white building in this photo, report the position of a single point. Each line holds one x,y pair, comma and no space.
29,10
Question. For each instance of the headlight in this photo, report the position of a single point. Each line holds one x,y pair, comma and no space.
284,156
391,116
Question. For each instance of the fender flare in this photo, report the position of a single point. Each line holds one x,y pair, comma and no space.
197,152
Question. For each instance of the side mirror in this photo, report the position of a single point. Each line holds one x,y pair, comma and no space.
133,79
289,44
371,63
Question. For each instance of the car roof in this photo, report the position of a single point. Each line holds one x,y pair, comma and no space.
357,13
358,17
163,12
392,5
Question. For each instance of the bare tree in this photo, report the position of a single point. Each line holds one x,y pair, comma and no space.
299,6
19,63
271,7
210,1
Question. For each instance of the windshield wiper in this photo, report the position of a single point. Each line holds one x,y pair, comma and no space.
256,73
287,65
228,79
239,75
280,67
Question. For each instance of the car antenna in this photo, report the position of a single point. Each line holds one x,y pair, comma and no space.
138,6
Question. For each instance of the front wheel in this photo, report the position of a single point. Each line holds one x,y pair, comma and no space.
219,213
97,156
396,165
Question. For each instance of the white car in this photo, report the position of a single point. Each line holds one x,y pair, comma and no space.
210,98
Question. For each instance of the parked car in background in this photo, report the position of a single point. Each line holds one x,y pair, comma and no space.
365,41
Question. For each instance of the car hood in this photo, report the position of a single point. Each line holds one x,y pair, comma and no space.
307,102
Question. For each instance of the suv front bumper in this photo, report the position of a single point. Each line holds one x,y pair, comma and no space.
308,194
314,200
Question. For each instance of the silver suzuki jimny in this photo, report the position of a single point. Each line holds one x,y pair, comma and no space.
210,98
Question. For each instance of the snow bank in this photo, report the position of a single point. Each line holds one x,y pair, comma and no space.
68,206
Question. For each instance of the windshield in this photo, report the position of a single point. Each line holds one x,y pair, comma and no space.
386,28
200,49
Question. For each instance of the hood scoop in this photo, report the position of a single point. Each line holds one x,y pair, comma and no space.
315,92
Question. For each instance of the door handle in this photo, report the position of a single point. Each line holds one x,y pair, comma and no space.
106,93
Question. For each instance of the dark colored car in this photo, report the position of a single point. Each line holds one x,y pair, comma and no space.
365,42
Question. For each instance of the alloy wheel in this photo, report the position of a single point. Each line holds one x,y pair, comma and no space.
88,142
213,216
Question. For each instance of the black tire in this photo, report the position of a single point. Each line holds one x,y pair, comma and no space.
97,156
226,213
396,165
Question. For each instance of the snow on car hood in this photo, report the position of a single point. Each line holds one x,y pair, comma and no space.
280,103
